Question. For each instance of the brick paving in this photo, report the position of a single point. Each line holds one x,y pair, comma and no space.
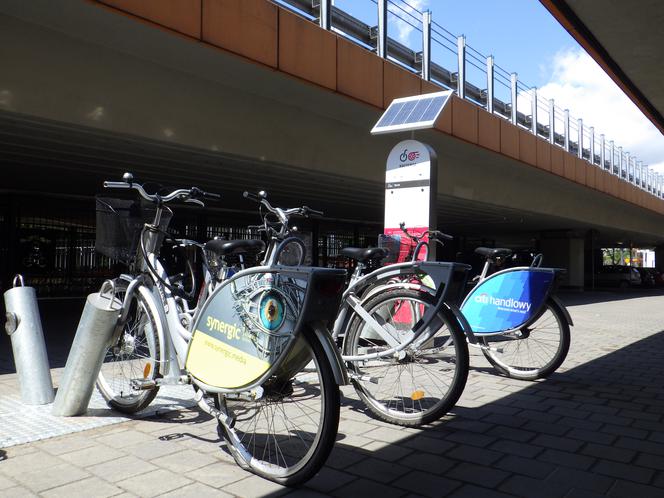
595,428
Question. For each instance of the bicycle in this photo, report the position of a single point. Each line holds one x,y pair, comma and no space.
404,350
255,347
513,315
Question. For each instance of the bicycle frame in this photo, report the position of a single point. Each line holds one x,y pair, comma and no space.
174,338
364,287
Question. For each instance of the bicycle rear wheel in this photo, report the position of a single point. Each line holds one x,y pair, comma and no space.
135,354
287,434
533,352
422,383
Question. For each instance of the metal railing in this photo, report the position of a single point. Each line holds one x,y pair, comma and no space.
446,60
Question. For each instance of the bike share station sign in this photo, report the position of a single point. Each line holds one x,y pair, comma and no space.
411,173
410,190
506,300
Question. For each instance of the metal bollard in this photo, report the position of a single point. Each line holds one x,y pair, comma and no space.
93,335
25,331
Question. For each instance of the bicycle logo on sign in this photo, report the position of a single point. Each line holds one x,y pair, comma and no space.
408,156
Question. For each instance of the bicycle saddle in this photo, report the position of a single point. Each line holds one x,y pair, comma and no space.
493,253
224,247
363,254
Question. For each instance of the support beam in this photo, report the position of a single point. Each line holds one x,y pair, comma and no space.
461,74
552,122
579,141
533,111
381,42
620,162
566,128
325,14
426,45
514,83
490,79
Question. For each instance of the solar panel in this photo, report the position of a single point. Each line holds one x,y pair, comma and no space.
412,113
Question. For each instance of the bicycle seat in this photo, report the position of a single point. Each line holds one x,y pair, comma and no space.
364,254
223,247
493,253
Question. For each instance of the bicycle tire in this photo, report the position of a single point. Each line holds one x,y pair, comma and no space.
261,453
434,387
135,354
550,346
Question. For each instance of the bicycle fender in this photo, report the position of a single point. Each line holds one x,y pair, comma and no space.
396,285
463,323
562,308
331,352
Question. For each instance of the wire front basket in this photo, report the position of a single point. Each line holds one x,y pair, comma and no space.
119,225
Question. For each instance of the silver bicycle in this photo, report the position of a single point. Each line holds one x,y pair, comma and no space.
255,347
404,349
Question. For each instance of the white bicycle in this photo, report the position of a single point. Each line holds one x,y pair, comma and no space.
256,348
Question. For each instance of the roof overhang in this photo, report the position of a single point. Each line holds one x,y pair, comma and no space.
626,40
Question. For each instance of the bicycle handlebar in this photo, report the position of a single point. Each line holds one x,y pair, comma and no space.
312,212
183,194
433,234
282,214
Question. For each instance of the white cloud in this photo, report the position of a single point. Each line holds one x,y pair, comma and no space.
578,83
404,17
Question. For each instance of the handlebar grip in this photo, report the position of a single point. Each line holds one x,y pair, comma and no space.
250,196
197,192
116,185
440,235
312,212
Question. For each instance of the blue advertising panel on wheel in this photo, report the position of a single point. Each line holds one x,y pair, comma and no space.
507,300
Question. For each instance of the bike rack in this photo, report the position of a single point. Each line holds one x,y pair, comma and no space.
93,336
24,328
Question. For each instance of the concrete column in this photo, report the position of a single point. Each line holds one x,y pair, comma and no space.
659,257
568,253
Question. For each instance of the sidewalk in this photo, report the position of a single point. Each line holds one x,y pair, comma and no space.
593,429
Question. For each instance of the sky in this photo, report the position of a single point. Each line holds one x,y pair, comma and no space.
524,38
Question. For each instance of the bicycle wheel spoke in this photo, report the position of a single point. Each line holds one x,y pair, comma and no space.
280,433
533,352
420,381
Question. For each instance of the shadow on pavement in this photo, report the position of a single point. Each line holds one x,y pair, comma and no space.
595,430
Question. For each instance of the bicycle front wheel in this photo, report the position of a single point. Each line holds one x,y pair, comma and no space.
287,434
533,352
134,355
424,381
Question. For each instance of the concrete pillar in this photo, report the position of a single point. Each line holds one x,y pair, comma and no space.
566,252
659,257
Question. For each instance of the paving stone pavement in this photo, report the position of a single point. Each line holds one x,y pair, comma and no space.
594,428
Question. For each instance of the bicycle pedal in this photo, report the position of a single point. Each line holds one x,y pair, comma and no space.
143,384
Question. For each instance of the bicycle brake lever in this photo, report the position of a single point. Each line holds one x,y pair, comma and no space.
195,201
